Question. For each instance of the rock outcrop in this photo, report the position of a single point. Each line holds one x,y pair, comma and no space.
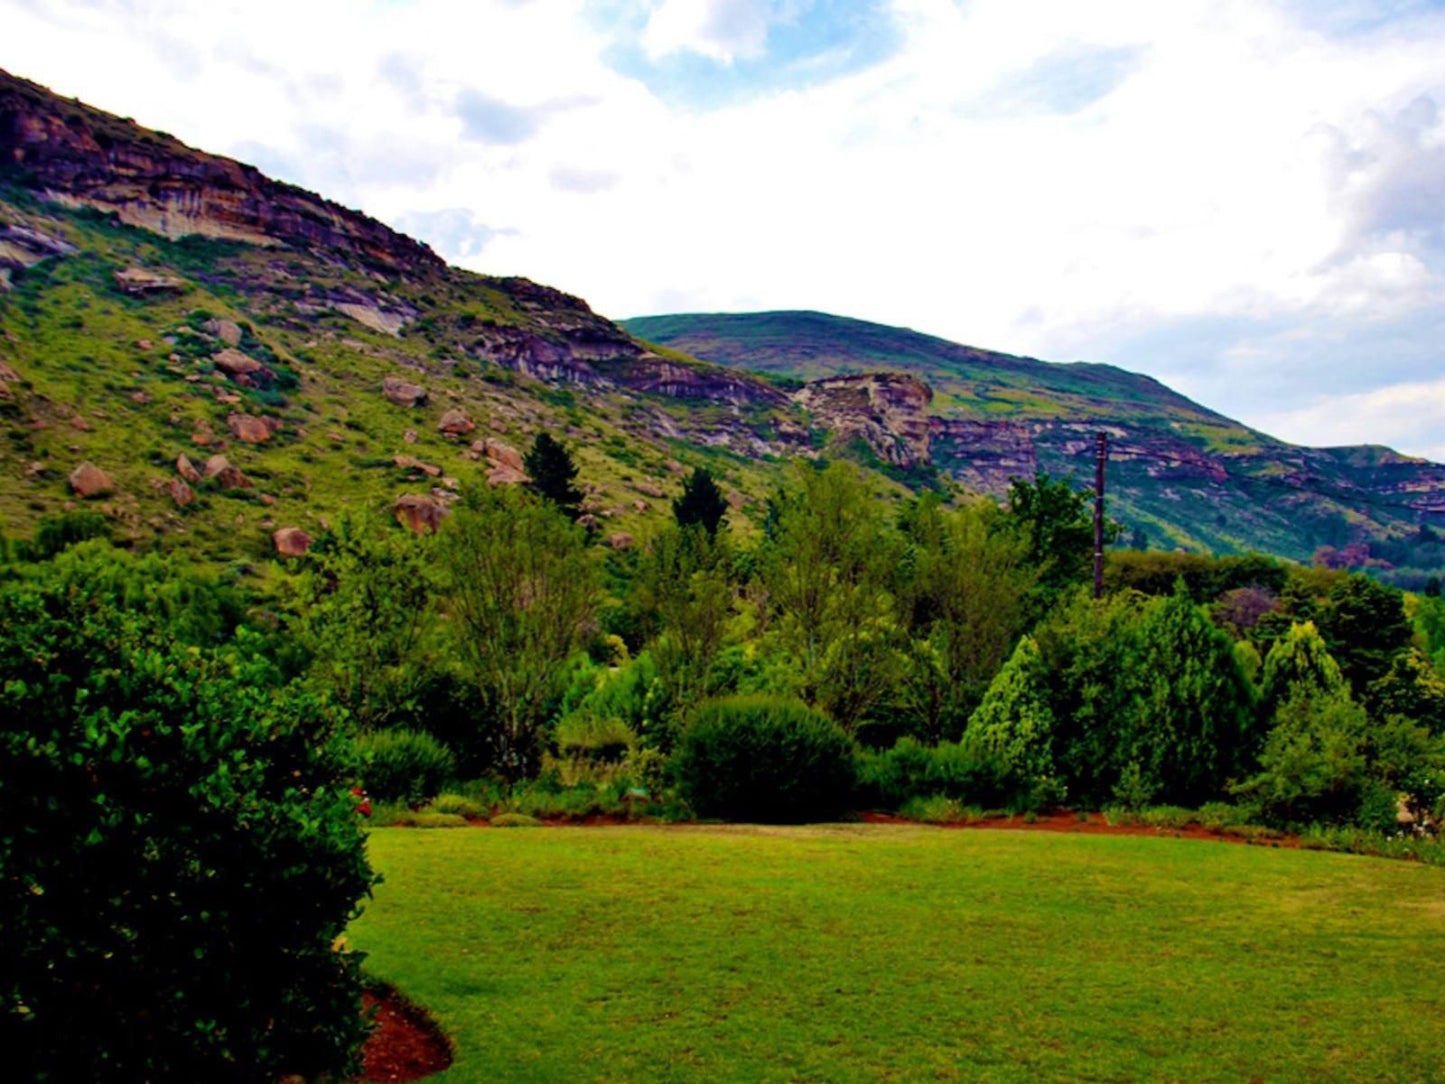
419,513
84,157
888,411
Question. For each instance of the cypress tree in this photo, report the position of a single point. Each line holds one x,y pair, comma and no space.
552,471
701,502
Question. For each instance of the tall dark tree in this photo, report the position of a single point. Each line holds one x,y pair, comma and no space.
701,502
552,471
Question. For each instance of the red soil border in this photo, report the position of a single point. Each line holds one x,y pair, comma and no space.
406,1043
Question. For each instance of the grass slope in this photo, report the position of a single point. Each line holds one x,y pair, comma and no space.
846,953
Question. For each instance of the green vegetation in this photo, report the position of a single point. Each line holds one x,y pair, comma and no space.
180,848
866,952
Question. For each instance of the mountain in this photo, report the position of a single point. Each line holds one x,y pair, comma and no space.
221,363
1179,473
208,357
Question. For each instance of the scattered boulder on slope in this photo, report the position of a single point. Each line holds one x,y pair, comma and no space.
88,480
402,392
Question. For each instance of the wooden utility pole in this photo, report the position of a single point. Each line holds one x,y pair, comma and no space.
1101,456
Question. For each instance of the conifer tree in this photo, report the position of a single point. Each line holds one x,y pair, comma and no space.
701,502
552,471
1013,727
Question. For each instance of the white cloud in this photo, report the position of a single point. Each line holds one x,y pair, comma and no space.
1413,412
1065,180
723,30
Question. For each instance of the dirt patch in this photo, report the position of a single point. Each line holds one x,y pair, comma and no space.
406,1043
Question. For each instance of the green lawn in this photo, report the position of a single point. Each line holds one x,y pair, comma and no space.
868,952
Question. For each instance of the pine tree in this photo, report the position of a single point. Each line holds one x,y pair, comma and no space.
701,502
1014,725
551,469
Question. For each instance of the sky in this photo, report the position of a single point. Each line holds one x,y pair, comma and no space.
1245,200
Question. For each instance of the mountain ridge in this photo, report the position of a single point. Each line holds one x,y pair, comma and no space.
158,302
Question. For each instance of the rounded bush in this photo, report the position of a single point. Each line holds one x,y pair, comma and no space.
179,852
515,820
765,759
400,765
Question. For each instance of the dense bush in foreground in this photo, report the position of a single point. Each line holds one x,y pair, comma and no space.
766,759
179,849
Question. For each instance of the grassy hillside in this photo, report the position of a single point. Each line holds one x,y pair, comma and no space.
856,952
967,382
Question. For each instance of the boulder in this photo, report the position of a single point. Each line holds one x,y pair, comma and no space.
409,436
227,476
456,423
242,368
420,514
186,469
88,480
649,489
640,506
589,521
403,393
291,541
228,331
621,540
181,493
80,423
411,462
503,475
503,455
139,282
249,428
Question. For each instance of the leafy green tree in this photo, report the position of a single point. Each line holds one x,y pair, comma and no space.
1298,659
551,470
1091,649
701,503
1194,724
1366,627
1412,689
1313,765
967,593
364,606
181,852
521,593
683,579
826,568
1057,520
1014,726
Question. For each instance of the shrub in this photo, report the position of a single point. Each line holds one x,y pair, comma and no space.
913,770
457,804
766,759
401,765
179,851
1014,726
515,820
424,819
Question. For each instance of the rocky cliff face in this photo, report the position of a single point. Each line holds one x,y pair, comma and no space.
86,158
888,411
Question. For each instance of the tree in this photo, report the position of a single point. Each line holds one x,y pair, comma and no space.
967,594
683,580
521,594
364,604
1193,729
827,567
1014,726
550,467
1297,659
182,849
1057,521
701,502
1366,627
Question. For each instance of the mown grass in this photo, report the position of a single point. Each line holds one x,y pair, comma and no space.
871,952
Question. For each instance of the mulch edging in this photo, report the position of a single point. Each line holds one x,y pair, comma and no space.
406,1043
